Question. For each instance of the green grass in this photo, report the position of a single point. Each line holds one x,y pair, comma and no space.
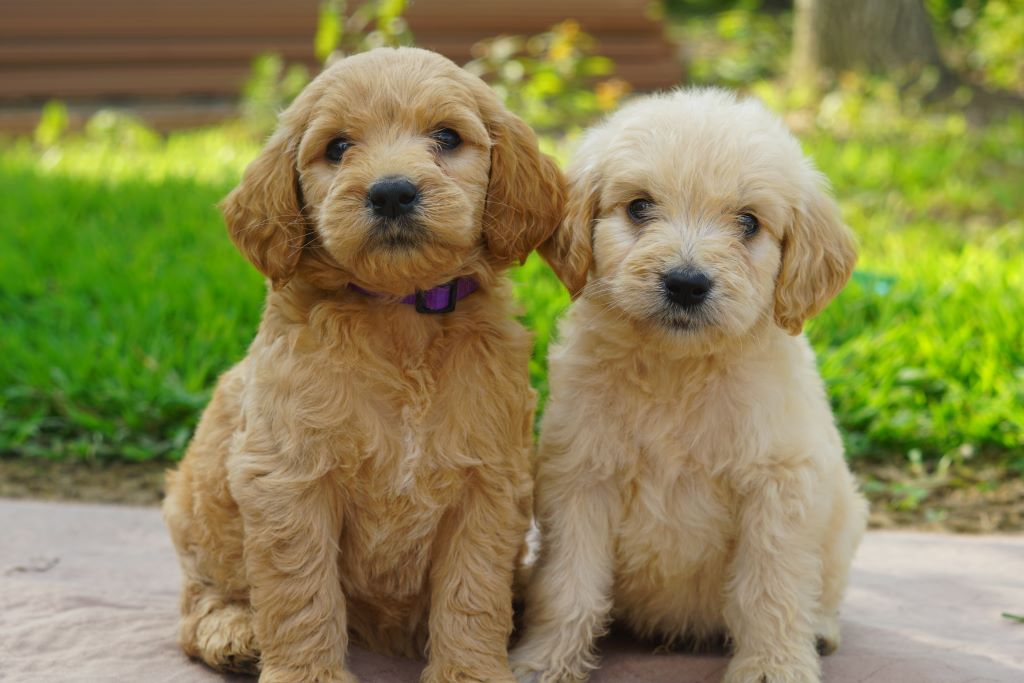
924,352
121,297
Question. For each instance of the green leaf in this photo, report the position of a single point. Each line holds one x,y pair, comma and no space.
53,122
328,29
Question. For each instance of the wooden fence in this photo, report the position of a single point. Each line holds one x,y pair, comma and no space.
183,62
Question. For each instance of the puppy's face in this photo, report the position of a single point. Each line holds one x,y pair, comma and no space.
400,170
697,216
684,245
394,175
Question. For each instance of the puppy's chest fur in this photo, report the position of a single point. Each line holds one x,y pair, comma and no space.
396,473
402,483
676,536
673,547
406,423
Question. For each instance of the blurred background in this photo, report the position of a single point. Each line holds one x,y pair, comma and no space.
123,122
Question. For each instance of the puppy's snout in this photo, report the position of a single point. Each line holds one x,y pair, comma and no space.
686,287
393,196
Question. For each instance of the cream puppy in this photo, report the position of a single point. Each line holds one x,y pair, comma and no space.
690,478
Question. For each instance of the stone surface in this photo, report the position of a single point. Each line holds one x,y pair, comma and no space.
88,593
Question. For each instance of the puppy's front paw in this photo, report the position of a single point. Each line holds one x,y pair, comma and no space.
528,670
535,676
772,669
305,675
439,673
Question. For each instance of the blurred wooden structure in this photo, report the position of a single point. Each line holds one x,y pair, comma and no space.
183,62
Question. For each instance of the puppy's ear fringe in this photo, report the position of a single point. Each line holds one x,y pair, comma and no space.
570,251
818,256
526,189
263,213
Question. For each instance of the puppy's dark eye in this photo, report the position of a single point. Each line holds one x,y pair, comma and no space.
446,138
749,223
639,210
336,149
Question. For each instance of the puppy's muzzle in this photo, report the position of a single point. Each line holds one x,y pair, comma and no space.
686,288
392,197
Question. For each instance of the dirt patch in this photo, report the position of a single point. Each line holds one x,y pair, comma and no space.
135,483
981,500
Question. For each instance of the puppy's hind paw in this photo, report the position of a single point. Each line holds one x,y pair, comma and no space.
827,639
225,640
825,646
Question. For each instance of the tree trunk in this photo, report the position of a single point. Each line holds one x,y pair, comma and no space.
878,35
892,37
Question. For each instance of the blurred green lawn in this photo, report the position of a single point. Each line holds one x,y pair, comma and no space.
122,299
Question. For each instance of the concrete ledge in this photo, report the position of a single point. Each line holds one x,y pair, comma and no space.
88,593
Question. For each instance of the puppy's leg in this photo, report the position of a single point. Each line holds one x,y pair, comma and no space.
772,598
849,518
216,620
569,598
292,527
471,588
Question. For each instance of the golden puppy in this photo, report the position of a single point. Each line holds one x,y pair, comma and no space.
691,480
365,469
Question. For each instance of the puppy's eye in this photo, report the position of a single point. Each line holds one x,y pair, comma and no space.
336,149
639,210
749,223
446,138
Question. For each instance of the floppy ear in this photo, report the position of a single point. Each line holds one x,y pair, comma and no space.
818,255
525,192
570,251
264,212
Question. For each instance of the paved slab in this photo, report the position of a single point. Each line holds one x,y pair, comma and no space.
88,593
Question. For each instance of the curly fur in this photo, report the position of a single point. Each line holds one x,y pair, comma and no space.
691,480
364,470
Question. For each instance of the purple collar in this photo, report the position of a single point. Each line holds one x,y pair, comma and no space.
440,299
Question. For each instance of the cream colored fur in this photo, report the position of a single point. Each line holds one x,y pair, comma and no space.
364,471
691,480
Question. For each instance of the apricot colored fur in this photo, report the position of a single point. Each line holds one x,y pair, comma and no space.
364,471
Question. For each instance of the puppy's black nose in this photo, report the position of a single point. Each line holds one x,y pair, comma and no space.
393,196
686,287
